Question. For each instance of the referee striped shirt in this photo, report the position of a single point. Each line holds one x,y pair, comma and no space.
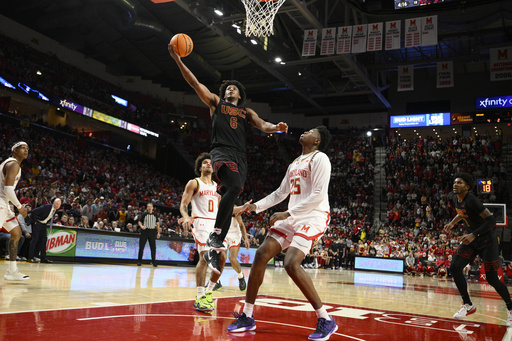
149,220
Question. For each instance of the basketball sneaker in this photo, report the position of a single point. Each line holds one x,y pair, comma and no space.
324,329
212,258
242,324
241,284
15,276
464,311
217,286
204,303
509,318
214,242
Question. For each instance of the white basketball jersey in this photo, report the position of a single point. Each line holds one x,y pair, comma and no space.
307,184
205,201
3,198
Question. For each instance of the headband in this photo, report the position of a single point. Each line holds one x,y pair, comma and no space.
17,144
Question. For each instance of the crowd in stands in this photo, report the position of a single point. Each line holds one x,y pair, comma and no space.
20,63
108,190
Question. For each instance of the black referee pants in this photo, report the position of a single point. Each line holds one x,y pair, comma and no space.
148,235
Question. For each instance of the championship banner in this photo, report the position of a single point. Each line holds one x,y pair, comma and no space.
445,75
413,32
309,45
328,41
429,30
344,39
375,32
501,63
405,78
359,38
393,30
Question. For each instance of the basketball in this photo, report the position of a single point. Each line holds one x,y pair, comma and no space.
182,44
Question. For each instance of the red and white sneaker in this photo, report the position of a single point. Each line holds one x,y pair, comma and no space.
464,311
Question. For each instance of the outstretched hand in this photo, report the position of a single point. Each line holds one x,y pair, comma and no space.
282,127
247,207
173,53
278,216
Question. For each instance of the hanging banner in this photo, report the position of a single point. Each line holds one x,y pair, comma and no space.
393,29
328,41
375,32
344,39
429,30
309,46
359,38
405,78
501,63
445,75
412,32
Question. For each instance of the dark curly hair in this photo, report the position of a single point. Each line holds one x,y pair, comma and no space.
241,89
325,137
199,162
467,178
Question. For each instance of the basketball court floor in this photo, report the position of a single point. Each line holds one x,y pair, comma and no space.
64,301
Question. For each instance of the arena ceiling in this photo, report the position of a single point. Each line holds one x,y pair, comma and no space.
130,37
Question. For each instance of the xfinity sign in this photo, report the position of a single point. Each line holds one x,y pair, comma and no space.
493,102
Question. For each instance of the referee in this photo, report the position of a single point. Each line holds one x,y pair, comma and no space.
150,230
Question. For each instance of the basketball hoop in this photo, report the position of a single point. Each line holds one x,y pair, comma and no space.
260,16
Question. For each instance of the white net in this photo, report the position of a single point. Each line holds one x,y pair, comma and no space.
260,16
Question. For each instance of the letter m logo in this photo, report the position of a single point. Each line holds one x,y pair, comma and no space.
359,28
375,27
305,228
444,66
405,70
328,32
412,22
310,33
502,54
344,30
429,20
392,25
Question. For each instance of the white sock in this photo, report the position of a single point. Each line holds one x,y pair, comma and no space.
240,275
248,308
12,266
211,285
200,291
322,313
217,230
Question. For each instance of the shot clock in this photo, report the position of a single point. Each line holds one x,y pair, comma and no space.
484,186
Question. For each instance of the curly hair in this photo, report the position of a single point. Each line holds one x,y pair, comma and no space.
199,162
325,137
241,89
467,178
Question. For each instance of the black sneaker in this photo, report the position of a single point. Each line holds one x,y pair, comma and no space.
217,286
212,258
155,265
241,284
215,243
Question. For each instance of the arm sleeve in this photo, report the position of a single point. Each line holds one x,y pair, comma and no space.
488,224
320,175
9,193
275,197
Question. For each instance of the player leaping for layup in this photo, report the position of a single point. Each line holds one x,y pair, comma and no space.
230,121
307,218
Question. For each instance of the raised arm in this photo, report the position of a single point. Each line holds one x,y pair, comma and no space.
208,98
265,126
